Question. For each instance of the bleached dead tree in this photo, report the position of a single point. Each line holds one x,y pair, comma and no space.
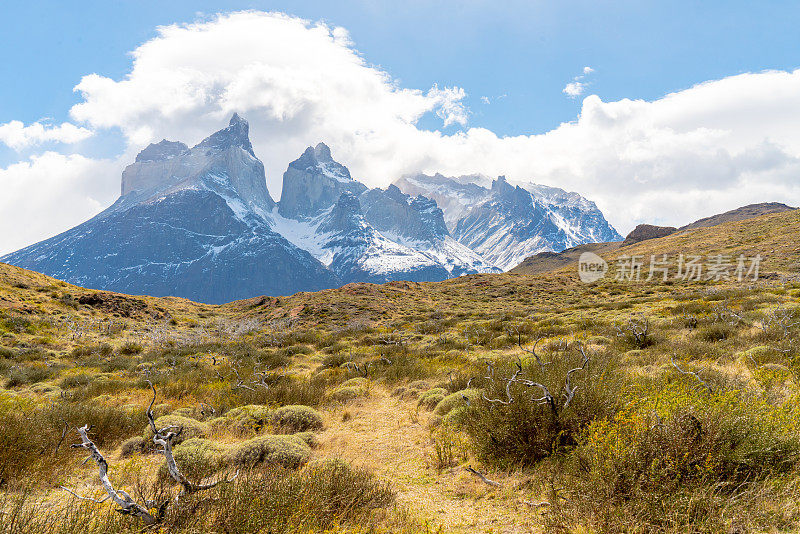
637,330
127,506
547,397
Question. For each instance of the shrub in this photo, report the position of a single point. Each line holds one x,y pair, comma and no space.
132,446
309,437
677,462
130,348
350,390
29,374
320,498
248,419
190,428
75,380
529,428
288,451
197,458
456,400
297,418
716,332
33,437
431,398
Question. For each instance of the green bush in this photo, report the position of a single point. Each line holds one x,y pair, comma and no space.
197,459
350,390
190,428
309,437
297,418
528,429
456,400
289,451
249,419
431,398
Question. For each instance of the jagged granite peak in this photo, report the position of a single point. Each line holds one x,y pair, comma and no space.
344,216
313,183
398,215
224,162
454,195
237,134
506,222
161,151
356,251
193,223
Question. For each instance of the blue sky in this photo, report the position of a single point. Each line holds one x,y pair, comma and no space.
527,50
677,110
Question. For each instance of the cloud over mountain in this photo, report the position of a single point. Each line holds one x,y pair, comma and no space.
708,148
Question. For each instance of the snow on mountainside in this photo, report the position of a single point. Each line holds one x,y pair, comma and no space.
367,234
190,223
505,223
200,223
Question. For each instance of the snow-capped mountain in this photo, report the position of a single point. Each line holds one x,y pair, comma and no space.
200,223
192,222
505,223
365,234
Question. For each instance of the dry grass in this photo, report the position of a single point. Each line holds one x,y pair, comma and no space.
364,356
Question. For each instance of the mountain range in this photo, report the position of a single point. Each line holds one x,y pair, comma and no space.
200,223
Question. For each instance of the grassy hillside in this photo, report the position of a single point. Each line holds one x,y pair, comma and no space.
774,236
487,403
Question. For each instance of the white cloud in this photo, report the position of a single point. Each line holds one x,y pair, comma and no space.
296,82
51,193
705,149
574,89
486,100
18,136
577,86
448,104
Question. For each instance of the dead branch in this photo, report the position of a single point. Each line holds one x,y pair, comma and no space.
482,476
569,390
532,350
164,437
692,373
127,506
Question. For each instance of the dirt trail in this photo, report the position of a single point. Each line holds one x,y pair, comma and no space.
385,435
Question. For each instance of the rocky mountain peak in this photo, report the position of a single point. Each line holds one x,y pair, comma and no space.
501,186
392,211
345,216
161,151
224,163
322,152
314,182
319,161
237,134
